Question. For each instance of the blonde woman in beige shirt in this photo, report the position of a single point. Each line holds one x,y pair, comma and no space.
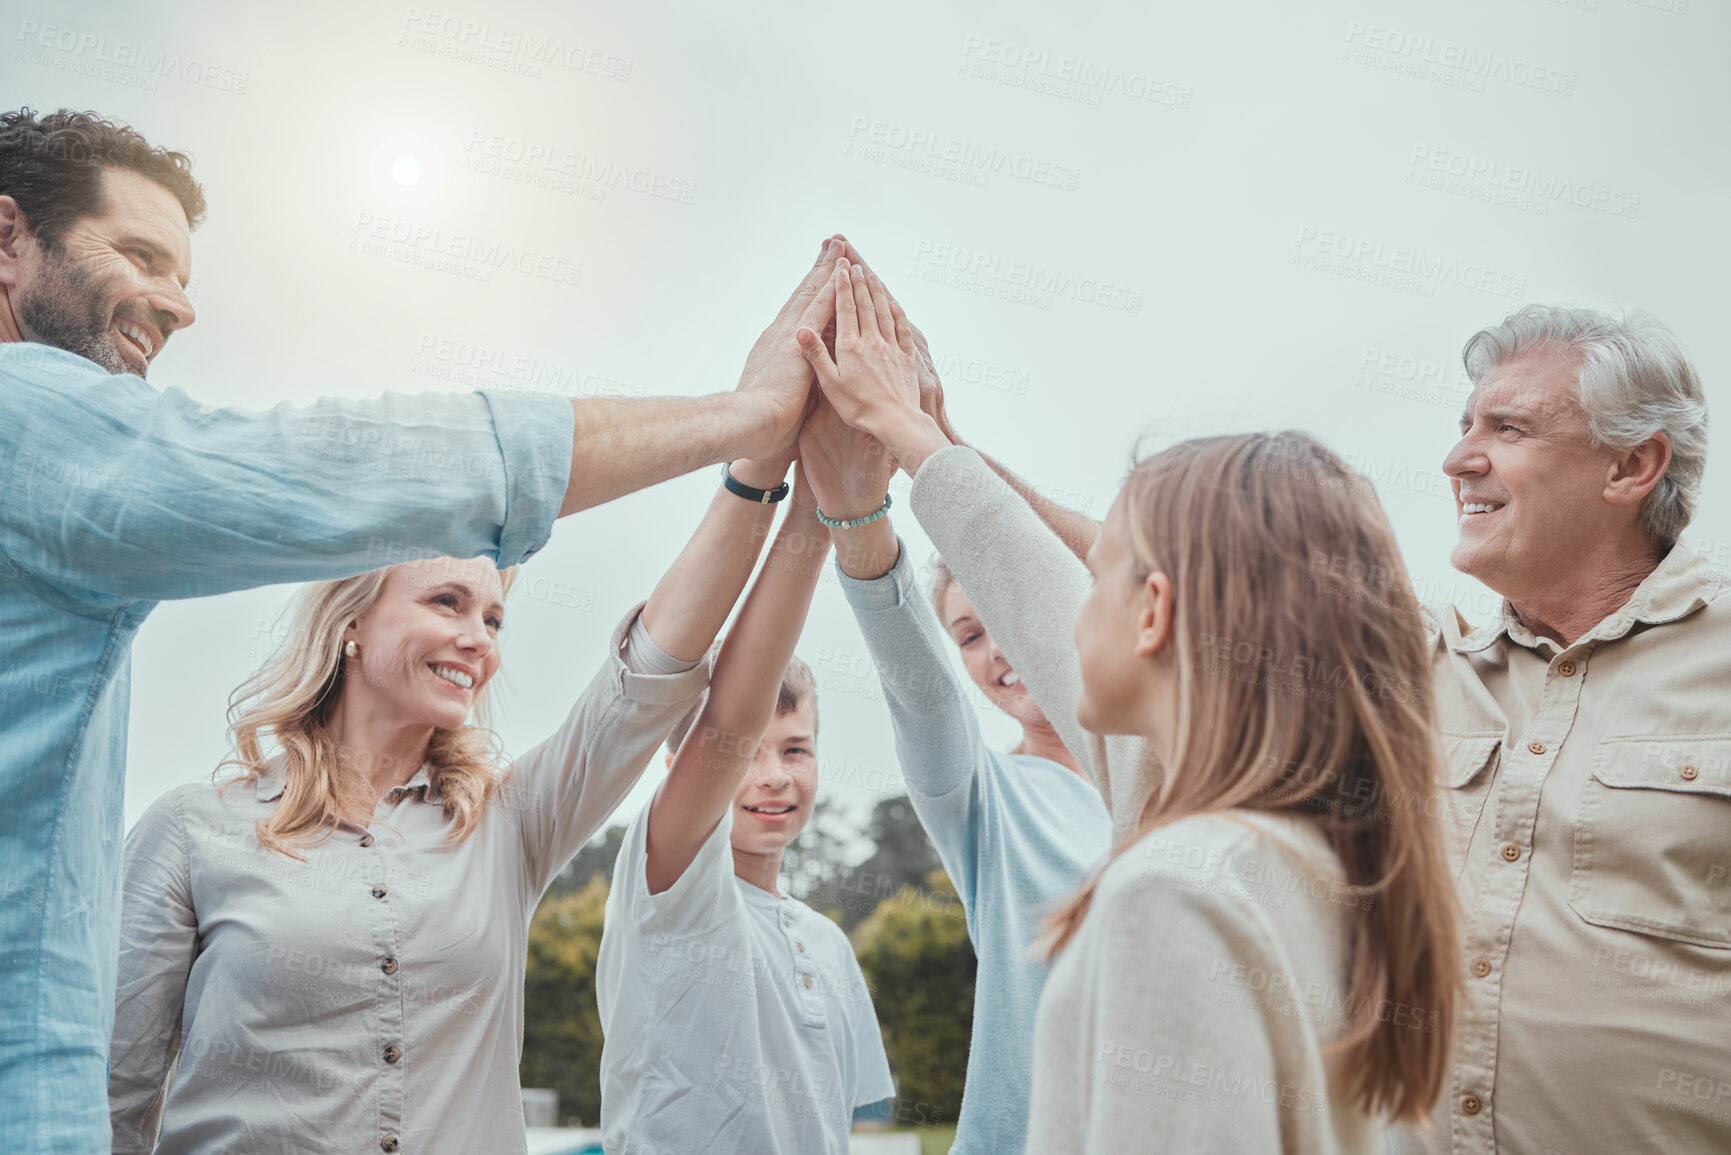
328,949
1255,969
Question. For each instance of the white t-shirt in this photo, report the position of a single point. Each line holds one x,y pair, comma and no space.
737,1022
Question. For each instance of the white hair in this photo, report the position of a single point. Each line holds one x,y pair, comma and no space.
1634,382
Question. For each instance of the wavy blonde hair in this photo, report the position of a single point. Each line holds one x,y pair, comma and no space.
289,701
1283,563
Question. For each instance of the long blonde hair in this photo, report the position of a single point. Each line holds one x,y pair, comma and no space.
1291,597
290,699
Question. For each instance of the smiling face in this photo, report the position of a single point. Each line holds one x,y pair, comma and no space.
1529,485
773,803
985,663
428,645
113,288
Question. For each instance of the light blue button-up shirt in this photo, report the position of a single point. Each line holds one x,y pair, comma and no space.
115,496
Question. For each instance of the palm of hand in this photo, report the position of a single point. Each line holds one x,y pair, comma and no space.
845,466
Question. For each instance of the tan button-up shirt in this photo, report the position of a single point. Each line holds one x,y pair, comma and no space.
1588,809
371,997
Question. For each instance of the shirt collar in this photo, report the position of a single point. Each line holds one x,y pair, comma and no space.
1682,583
34,354
761,897
272,782
420,784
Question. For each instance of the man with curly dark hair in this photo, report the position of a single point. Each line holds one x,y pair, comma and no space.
109,215
115,495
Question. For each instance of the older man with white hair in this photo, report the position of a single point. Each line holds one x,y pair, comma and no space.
1588,741
1587,735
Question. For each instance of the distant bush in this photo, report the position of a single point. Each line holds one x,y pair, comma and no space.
915,953
562,1028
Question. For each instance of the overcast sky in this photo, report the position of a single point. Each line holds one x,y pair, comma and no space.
1110,219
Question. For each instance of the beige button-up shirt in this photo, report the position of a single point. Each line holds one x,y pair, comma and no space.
1588,812
371,997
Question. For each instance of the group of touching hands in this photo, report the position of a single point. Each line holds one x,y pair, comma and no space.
877,401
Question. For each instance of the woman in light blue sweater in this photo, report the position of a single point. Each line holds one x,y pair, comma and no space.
1017,832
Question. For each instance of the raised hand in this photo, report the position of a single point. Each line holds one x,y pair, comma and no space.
776,371
873,379
931,389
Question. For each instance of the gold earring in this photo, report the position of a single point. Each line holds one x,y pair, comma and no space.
350,649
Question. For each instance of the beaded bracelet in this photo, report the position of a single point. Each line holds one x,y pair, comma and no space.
858,521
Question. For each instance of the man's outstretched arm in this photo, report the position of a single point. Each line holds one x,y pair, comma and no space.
110,486
620,446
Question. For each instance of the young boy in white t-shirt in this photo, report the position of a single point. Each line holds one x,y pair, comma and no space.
737,1021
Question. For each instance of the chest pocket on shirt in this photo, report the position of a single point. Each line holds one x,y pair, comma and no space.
1469,768
1653,841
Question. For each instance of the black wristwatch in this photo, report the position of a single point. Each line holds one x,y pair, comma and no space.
761,496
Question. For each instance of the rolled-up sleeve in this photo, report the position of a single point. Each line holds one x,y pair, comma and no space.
561,791
108,485
534,433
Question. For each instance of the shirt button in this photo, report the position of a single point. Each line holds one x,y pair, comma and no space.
1688,773
388,1143
1481,967
786,921
389,966
801,947
1511,852
378,892
393,1053
366,839
808,982
1566,668
1536,747
1470,1105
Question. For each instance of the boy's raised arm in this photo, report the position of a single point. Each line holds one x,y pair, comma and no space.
718,749
693,598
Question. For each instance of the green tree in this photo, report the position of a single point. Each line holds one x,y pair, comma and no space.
902,856
816,857
915,953
562,1027
596,857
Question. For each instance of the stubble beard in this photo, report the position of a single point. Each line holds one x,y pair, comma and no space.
65,310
